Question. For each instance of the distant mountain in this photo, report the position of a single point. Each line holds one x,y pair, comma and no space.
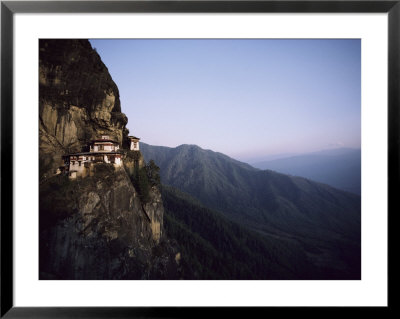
266,158
325,221
340,168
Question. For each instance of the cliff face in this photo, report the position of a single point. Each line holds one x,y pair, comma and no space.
78,101
97,227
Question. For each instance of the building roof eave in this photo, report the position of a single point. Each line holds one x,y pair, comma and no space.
94,153
104,141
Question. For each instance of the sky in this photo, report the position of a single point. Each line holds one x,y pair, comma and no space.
249,99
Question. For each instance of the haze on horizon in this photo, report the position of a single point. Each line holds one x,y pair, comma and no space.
245,98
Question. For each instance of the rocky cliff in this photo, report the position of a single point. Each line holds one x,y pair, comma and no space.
97,227
78,101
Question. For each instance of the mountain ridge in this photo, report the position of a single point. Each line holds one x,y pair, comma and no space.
340,168
325,220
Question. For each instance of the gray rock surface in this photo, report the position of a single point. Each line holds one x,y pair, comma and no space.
95,227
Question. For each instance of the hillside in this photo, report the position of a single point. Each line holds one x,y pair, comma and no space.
213,218
340,168
324,220
213,247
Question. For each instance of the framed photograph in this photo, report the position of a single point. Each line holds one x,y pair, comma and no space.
161,158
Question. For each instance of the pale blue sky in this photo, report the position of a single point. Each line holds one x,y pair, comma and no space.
245,98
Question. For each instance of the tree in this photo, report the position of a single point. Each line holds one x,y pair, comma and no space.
141,184
153,173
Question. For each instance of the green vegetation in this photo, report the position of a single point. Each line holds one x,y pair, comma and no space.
153,173
323,221
213,247
141,184
264,200
133,155
103,168
145,178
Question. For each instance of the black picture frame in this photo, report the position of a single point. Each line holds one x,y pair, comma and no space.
9,8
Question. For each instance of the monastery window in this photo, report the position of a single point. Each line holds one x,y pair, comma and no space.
79,163
101,147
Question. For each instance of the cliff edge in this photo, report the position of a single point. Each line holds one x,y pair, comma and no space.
100,226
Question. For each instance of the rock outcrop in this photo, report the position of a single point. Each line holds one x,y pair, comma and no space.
97,227
78,101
